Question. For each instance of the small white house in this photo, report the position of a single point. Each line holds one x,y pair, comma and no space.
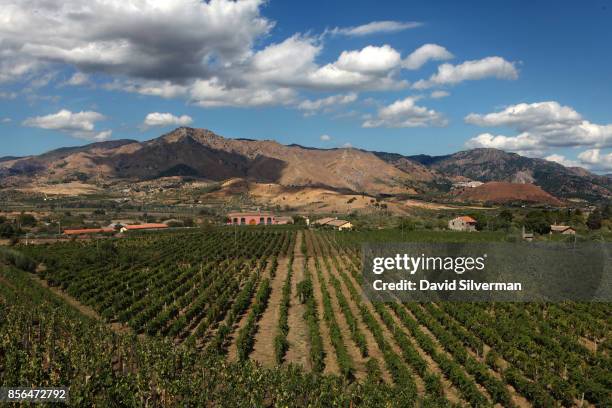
463,223
334,223
562,229
340,225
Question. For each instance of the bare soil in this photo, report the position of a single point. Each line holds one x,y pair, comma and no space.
263,349
297,337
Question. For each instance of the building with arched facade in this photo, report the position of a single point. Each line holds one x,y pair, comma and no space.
251,218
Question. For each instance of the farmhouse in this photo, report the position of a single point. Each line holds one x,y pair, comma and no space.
340,225
562,229
334,223
251,218
463,223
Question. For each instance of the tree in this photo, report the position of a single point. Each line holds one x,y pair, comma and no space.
606,213
299,220
506,215
537,221
26,220
7,230
594,220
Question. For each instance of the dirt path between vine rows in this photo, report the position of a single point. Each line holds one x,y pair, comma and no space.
373,348
299,349
331,362
519,400
351,348
450,391
263,348
232,350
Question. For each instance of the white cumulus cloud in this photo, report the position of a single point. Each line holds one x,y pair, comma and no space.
325,138
157,119
150,39
211,53
540,126
596,160
425,53
77,124
406,113
370,59
489,67
561,159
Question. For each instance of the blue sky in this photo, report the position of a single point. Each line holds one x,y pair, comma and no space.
423,77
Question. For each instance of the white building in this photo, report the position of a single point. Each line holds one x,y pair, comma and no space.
463,223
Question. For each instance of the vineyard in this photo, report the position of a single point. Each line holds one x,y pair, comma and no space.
276,317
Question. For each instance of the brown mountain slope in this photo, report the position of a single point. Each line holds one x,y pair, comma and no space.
201,153
503,192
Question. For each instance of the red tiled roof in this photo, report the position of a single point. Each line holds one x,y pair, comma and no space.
468,219
145,226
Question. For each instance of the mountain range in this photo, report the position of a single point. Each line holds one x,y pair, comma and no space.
199,153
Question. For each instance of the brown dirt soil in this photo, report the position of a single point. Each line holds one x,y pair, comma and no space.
73,189
502,192
441,349
232,351
373,349
518,399
297,337
353,351
450,391
387,334
331,363
263,349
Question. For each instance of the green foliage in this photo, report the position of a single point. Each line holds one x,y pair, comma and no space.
537,222
594,220
17,259
8,230
26,220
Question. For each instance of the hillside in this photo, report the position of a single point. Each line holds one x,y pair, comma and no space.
203,154
206,156
502,192
496,165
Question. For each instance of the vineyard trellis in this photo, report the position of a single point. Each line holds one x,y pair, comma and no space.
191,295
